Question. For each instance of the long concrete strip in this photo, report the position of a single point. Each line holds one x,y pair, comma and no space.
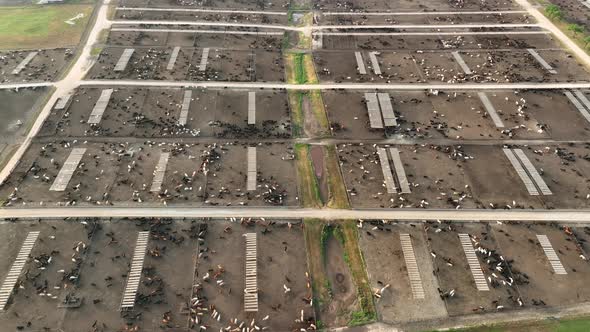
217,32
62,102
490,110
252,170
541,61
124,59
173,58
551,254
412,266
198,10
533,172
134,276
17,268
204,59
583,110
386,169
186,105
100,106
251,275
400,171
461,62
375,63
373,109
159,172
387,110
441,33
473,262
24,63
528,183
251,108
360,63
67,171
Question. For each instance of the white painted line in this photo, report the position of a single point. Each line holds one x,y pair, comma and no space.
551,254
67,171
186,105
17,268
62,102
400,171
251,108
528,183
221,32
124,59
412,266
387,110
360,63
159,172
473,262
252,172
386,169
582,97
541,61
251,274
100,106
490,109
533,172
134,275
578,105
373,110
24,63
204,59
173,57
461,63
375,63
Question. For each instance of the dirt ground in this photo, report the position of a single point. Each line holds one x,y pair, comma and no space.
385,266
180,254
215,37
279,5
440,66
409,5
45,66
201,16
122,173
154,113
437,42
223,65
18,109
442,187
488,18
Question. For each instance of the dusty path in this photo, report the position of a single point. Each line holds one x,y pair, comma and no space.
570,216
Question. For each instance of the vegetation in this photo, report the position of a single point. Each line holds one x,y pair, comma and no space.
34,27
338,197
553,12
309,191
549,325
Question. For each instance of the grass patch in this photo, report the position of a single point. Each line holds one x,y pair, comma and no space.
297,118
338,198
356,263
300,69
309,192
548,325
317,107
313,231
37,27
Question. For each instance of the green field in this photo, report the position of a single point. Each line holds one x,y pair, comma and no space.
550,325
29,27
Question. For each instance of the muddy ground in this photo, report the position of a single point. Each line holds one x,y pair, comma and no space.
45,66
409,5
180,254
202,16
217,37
154,113
279,5
222,65
122,174
431,18
440,66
